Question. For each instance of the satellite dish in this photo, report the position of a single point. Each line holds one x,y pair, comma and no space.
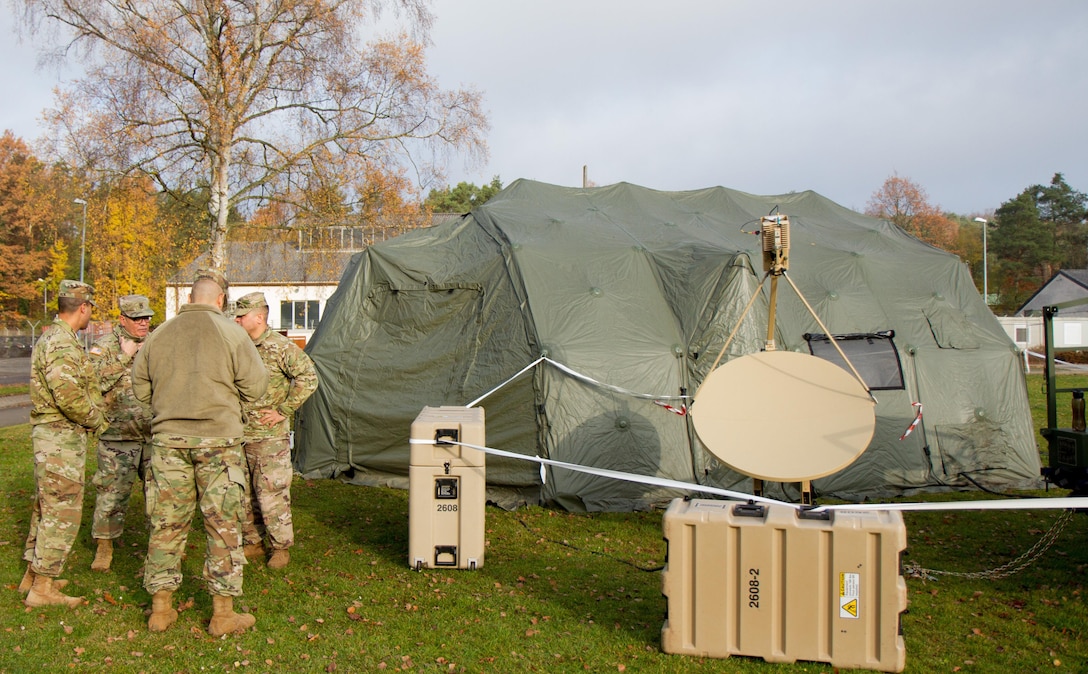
783,416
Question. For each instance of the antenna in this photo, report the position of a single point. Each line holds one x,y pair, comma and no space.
779,415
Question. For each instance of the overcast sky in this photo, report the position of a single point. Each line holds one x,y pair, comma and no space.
972,99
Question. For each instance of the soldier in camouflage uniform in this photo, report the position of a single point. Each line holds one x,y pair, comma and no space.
292,378
67,412
195,371
123,449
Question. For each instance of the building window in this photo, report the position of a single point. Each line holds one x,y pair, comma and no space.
1072,334
299,314
1022,334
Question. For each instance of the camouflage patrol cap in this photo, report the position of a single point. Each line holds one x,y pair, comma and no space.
214,275
248,302
77,290
135,306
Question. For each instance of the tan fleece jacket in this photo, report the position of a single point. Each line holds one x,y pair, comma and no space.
195,370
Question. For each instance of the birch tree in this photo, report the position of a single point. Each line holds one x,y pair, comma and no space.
245,98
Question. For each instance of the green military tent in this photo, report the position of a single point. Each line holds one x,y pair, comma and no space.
615,301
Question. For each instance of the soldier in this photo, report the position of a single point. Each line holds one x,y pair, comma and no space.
123,449
67,411
291,380
195,370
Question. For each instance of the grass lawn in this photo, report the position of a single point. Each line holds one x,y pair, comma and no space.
558,592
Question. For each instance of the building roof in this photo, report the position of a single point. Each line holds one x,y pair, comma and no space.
1064,286
316,256
271,263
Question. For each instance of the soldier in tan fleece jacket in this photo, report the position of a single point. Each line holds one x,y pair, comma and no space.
195,371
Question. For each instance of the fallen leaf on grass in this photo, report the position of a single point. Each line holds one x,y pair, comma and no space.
109,597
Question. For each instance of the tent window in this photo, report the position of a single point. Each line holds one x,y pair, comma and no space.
872,354
299,314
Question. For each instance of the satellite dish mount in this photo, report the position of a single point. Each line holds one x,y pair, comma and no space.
822,420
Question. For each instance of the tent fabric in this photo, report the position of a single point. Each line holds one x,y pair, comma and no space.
639,290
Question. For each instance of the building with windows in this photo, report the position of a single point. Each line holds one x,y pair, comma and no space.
296,277
1025,326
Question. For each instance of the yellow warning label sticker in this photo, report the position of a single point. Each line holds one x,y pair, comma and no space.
849,592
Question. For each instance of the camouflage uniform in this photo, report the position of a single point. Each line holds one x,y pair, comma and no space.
124,448
195,370
186,470
292,379
66,410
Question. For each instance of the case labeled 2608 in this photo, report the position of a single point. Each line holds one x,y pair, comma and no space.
771,581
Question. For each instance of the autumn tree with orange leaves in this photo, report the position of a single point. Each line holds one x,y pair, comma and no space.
252,99
36,220
906,204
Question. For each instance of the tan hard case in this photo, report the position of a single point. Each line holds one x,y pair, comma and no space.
446,489
766,581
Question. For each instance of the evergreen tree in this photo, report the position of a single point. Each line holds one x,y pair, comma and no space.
463,198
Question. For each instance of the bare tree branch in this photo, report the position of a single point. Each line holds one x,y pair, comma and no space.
242,96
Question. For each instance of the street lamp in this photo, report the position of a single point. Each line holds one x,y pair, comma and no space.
83,237
985,280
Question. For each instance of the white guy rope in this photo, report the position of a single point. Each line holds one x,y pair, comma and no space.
614,474
578,375
1060,503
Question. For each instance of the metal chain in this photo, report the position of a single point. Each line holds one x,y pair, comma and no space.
914,570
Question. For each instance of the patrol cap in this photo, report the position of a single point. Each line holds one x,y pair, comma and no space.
135,306
76,290
214,275
248,302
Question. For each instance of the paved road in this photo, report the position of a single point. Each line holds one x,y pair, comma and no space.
14,370
16,414
14,410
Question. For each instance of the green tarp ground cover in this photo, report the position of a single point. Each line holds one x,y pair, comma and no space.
637,290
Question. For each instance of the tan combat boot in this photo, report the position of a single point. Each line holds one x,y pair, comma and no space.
163,613
104,556
45,593
28,580
253,551
279,559
225,620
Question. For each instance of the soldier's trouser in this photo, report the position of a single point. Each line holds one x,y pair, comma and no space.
180,478
118,470
60,456
269,505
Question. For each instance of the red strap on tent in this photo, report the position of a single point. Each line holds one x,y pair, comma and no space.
682,410
913,424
